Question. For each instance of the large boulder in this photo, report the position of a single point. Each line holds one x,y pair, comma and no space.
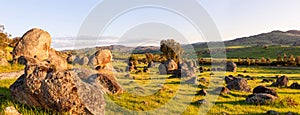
101,57
295,85
171,66
35,43
260,98
231,66
84,61
71,58
239,84
76,91
281,82
56,59
263,89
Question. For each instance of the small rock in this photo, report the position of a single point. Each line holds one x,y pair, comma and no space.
202,92
272,112
202,101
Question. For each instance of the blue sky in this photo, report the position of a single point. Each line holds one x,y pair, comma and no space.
234,18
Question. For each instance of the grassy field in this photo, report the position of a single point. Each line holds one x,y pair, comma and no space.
252,51
150,93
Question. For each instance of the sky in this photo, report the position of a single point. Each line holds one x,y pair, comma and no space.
233,18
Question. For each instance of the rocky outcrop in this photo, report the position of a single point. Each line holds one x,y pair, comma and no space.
239,84
281,82
231,66
262,95
100,58
263,89
76,91
260,98
295,85
169,67
35,43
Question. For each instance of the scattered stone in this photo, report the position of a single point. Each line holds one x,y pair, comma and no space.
151,64
171,66
71,58
240,75
245,71
11,110
84,61
239,84
295,85
231,66
263,89
77,60
272,112
229,79
266,80
100,58
146,70
260,98
222,90
281,82
291,113
202,92
202,101
203,80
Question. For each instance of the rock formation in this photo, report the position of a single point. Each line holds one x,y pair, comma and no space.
35,43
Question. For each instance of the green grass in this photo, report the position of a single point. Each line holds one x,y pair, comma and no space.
159,94
11,68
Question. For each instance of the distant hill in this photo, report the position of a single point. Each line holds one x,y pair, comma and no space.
289,38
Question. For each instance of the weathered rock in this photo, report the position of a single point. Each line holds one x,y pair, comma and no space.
171,66
203,80
231,66
281,82
3,62
260,98
272,112
263,89
77,60
229,79
71,58
35,43
202,92
222,90
84,61
295,85
11,110
266,80
190,64
202,101
151,64
162,69
239,84
183,73
130,67
101,57
57,60
61,91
